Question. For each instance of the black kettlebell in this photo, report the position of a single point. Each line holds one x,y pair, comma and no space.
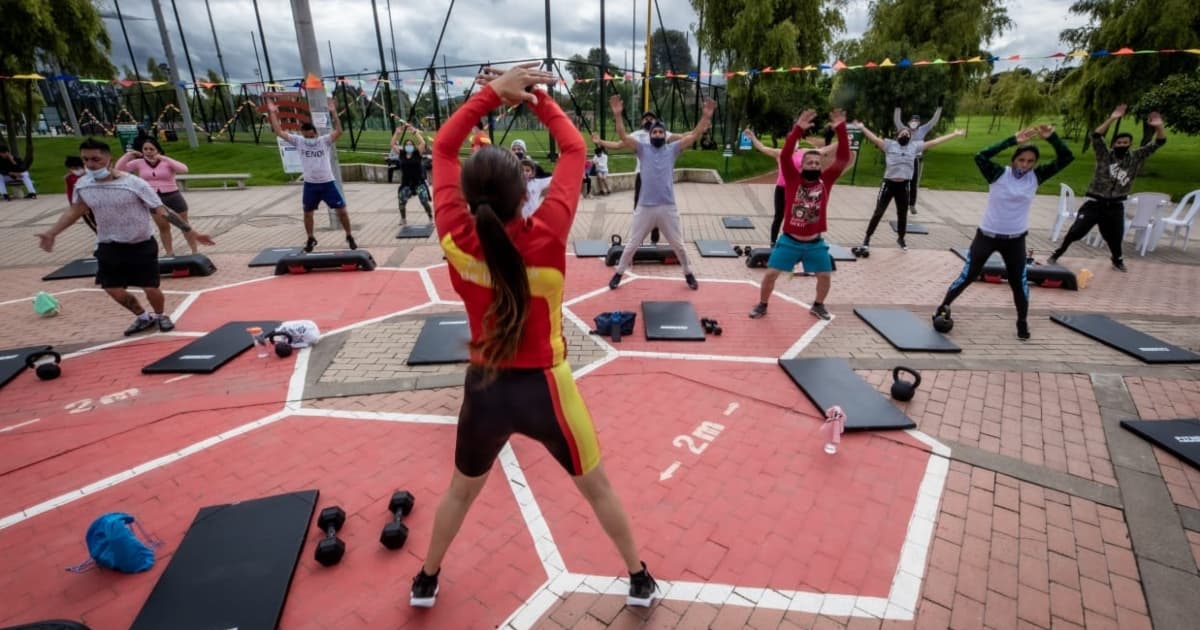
903,390
45,364
283,343
616,239
943,324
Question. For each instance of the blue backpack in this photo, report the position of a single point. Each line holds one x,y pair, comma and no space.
615,324
112,544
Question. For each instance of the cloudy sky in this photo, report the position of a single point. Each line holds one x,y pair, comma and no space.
478,30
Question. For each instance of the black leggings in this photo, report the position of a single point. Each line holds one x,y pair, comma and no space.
1109,215
1012,250
637,192
887,191
777,222
914,183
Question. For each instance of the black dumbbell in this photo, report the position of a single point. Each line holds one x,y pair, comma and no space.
737,249
711,326
331,549
395,533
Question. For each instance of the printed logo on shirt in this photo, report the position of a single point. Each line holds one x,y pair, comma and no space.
1117,172
806,207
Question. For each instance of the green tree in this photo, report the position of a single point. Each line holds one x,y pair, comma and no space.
1019,94
48,35
1104,82
585,71
1177,99
918,30
669,50
158,70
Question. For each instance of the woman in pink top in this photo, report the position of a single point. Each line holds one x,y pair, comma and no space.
797,159
158,170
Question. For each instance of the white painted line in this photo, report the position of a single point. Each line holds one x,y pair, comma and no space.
435,266
237,284
383,416
184,306
54,293
937,447
136,471
589,294
447,303
806,339
906,584
294,401
18,426
731,408
374,320
177,379
533,609
595,365
600,340
121,342
430,289
642,354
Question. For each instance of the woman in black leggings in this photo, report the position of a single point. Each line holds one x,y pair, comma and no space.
1006,221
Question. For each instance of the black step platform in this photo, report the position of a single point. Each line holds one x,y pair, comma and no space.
737,223
671,321
208,353
415,231
13,361
443,339
906,331
716,249
79,268
233,567
830,381
269,257
1180,437
345,260
1118,336
1042,275
644,254
841,253
174,266
591,249
909,228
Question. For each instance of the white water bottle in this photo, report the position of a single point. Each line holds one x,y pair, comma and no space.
831,431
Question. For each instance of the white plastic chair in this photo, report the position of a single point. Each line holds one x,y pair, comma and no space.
1066,211
1180,222
1144,216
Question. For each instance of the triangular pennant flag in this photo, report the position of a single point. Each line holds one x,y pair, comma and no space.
839,65
1057,55
872,64
1011,58
810,68
886,63
1194,51
923,62
1100,53
33,75
768,70
311,82
1124,51
1147,52
853,67
904,63
126,82
607,77
975,59
1078,54
938,61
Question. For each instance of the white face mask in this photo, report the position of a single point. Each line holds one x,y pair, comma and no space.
99,173
913,124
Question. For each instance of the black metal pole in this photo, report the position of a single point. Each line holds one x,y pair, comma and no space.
552,155
383,75
254,44
136,75
603,70
263,37
699,25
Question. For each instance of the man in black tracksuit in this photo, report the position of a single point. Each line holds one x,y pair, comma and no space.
1110,185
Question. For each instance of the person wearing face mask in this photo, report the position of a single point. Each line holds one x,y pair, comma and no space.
780,182
656,206
919,132
535,187
1005,222
75,170
126,252
649,120
900,157
1110,186
158,170
807,191
410,158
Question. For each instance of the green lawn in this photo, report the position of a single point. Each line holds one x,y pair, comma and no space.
1175,169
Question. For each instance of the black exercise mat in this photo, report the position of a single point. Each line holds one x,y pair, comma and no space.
671,321
79,268
443,339
233,567
268,257
13,361
737,223
841,253
208,353
416,231
910,228
53,624
906,331
830,381
716,249
591,249
1128,340
1180,437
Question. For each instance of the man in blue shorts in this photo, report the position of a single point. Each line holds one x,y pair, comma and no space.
806,194
319,183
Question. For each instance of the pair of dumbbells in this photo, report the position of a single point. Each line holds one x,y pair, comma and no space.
331,548
711,326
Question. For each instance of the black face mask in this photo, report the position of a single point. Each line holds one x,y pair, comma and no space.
647,125
903,140
658,142
1120,152
520,155
811,174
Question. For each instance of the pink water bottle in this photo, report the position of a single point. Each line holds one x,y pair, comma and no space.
831,431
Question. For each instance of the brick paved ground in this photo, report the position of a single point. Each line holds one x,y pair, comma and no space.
1034,508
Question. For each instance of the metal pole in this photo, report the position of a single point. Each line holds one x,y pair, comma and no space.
66,97
310,60
383,75
552,155
392,30
188,56
646,78
221,60
699,25
136,75
257,60
603,69
173,73
263,37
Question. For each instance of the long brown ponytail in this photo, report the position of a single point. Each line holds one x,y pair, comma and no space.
493,186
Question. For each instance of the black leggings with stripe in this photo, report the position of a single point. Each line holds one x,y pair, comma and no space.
1012,250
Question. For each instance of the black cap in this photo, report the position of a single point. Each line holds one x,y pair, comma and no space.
651,114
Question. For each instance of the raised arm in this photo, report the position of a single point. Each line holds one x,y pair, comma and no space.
618,107
875,140
897,120
562,196
123,164
1160,137
273,118
449,207
950,136
1062,154
176,165
924,130
991,170
759,146
690,138
799,128
337,121
607,144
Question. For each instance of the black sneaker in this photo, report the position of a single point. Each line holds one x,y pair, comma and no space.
310,244
139,324
642,588
350,242
902,244
818,309
424,590
615,282
759,310
1119,265
165,324
31,196
7,197
691,281
942,311
1053,259
1023,330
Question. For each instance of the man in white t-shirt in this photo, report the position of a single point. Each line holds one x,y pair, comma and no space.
126,252
319,182
649,120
